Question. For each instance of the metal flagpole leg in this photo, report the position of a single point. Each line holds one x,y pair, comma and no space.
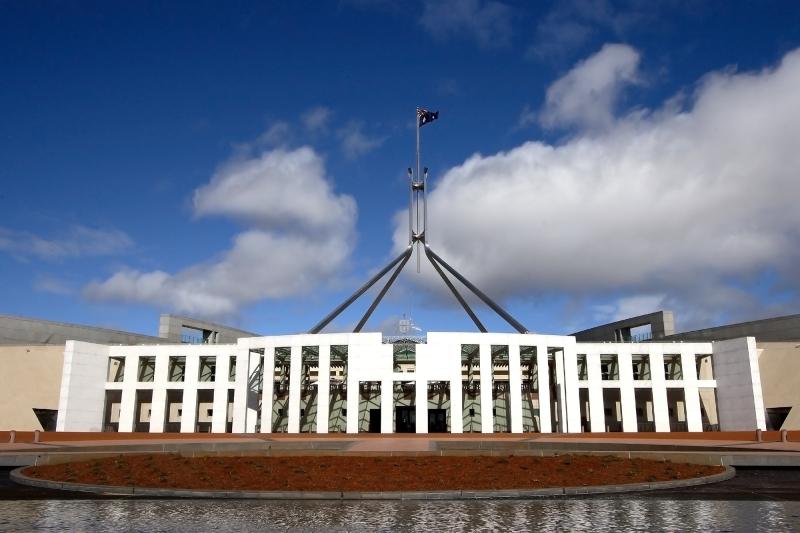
455,292
410,206
488,301
364,288
382,293
425,205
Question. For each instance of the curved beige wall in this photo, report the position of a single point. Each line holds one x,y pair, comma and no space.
779,363
30,377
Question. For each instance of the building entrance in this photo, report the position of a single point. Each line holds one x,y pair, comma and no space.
375,420
437,420
406,419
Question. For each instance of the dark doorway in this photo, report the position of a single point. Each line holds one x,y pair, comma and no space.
406,419
47,418
374,420
437,420
776,416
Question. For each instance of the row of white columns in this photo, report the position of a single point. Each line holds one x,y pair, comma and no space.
249,362
421,404
190,387
658,384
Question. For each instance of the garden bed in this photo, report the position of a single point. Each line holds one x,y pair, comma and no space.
357,473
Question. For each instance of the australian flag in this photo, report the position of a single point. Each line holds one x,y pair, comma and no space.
426,117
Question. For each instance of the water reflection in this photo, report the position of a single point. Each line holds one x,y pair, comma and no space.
564,515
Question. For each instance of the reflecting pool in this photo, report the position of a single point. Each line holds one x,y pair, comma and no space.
502,515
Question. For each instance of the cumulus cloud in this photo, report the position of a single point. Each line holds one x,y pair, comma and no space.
76,241
299,235
587,95
691,202
279,189
488,23
355,142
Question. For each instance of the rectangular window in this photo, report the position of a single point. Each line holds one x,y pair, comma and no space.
705,368
177,369
499,363
405,357
583,371
530,369
672,367
208,368
116,369
232,368
609,367
147,369
641,367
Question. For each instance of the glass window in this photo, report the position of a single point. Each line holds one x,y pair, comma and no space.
232,368
208,368
116,369
177,369
583,371
641,367
609,367
147,369
672,367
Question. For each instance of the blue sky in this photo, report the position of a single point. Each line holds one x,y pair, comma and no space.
245,162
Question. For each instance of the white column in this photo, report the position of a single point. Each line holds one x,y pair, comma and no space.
457,404
245,398
487,404
158,405
597,415
269,388
627,395
421,400
127,407
241,391
387,405
352,396
515,384
572,405
295,371
691,395
323,387
220,415
542,369
189,400
660,408
561,393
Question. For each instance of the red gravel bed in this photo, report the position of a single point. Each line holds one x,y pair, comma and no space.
355,473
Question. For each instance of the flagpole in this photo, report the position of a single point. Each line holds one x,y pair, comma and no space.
417,195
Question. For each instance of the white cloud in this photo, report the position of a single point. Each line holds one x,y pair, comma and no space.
301,236
77,241
316,119
278,189
587,95
355,142
689,203
488,23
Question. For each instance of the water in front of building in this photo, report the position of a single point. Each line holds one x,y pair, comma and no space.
597,515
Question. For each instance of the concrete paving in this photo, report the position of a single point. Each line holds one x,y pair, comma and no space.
728,449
